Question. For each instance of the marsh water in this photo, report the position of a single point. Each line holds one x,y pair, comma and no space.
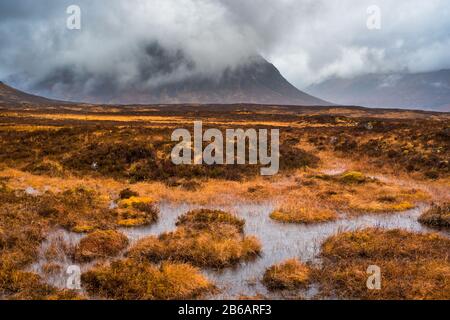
279,241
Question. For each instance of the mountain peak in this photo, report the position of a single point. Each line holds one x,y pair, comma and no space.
256,81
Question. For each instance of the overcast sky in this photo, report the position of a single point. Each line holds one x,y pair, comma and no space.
308,40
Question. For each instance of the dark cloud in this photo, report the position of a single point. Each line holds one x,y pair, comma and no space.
146,43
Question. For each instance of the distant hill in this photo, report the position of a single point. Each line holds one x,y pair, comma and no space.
427,91
11,96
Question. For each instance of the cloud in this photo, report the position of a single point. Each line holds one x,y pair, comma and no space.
148,42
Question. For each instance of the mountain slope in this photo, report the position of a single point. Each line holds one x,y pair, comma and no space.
11,96
257,82
428,90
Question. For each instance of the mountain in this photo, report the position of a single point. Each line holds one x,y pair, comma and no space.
427,90
256,81
11,96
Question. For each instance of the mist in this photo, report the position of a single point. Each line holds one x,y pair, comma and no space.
141,44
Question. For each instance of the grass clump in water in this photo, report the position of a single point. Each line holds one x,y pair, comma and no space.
20,285
205,239
100,244
137,211
303,215
203,218
413,266
437,216
290,275
131,280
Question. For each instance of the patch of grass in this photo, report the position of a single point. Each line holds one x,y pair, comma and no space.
413,266
46,167
128,193
303,215
132,201
437,216
100,244
290,275
378,206
137,211
20,285
219,248
203,218
83,229
204,238
353,177
132,280
349,177
371,196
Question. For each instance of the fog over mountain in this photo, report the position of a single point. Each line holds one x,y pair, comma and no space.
137,46
425,90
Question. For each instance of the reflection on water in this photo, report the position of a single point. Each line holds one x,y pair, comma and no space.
279,242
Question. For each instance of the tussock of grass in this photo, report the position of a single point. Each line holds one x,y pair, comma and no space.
413,266
377,206
100,244
137,211
132,201
437,216
349,178
131,280
303,215
219,248
203,218
20,285
353,177
204,238
290,275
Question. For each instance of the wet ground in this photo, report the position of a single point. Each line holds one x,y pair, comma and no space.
279,242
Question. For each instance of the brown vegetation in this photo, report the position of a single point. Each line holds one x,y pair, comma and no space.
437,216
81,158
413,266
203,238
100,245
290,275
131,280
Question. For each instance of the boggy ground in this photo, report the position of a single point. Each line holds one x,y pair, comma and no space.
95,170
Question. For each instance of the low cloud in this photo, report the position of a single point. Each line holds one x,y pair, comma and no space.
146,43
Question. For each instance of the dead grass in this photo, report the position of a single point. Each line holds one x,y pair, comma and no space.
131,280
437,216
55,156
292,213
100,245
20,285
413,266
204,238
356,193
205,218
290,275
137,211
